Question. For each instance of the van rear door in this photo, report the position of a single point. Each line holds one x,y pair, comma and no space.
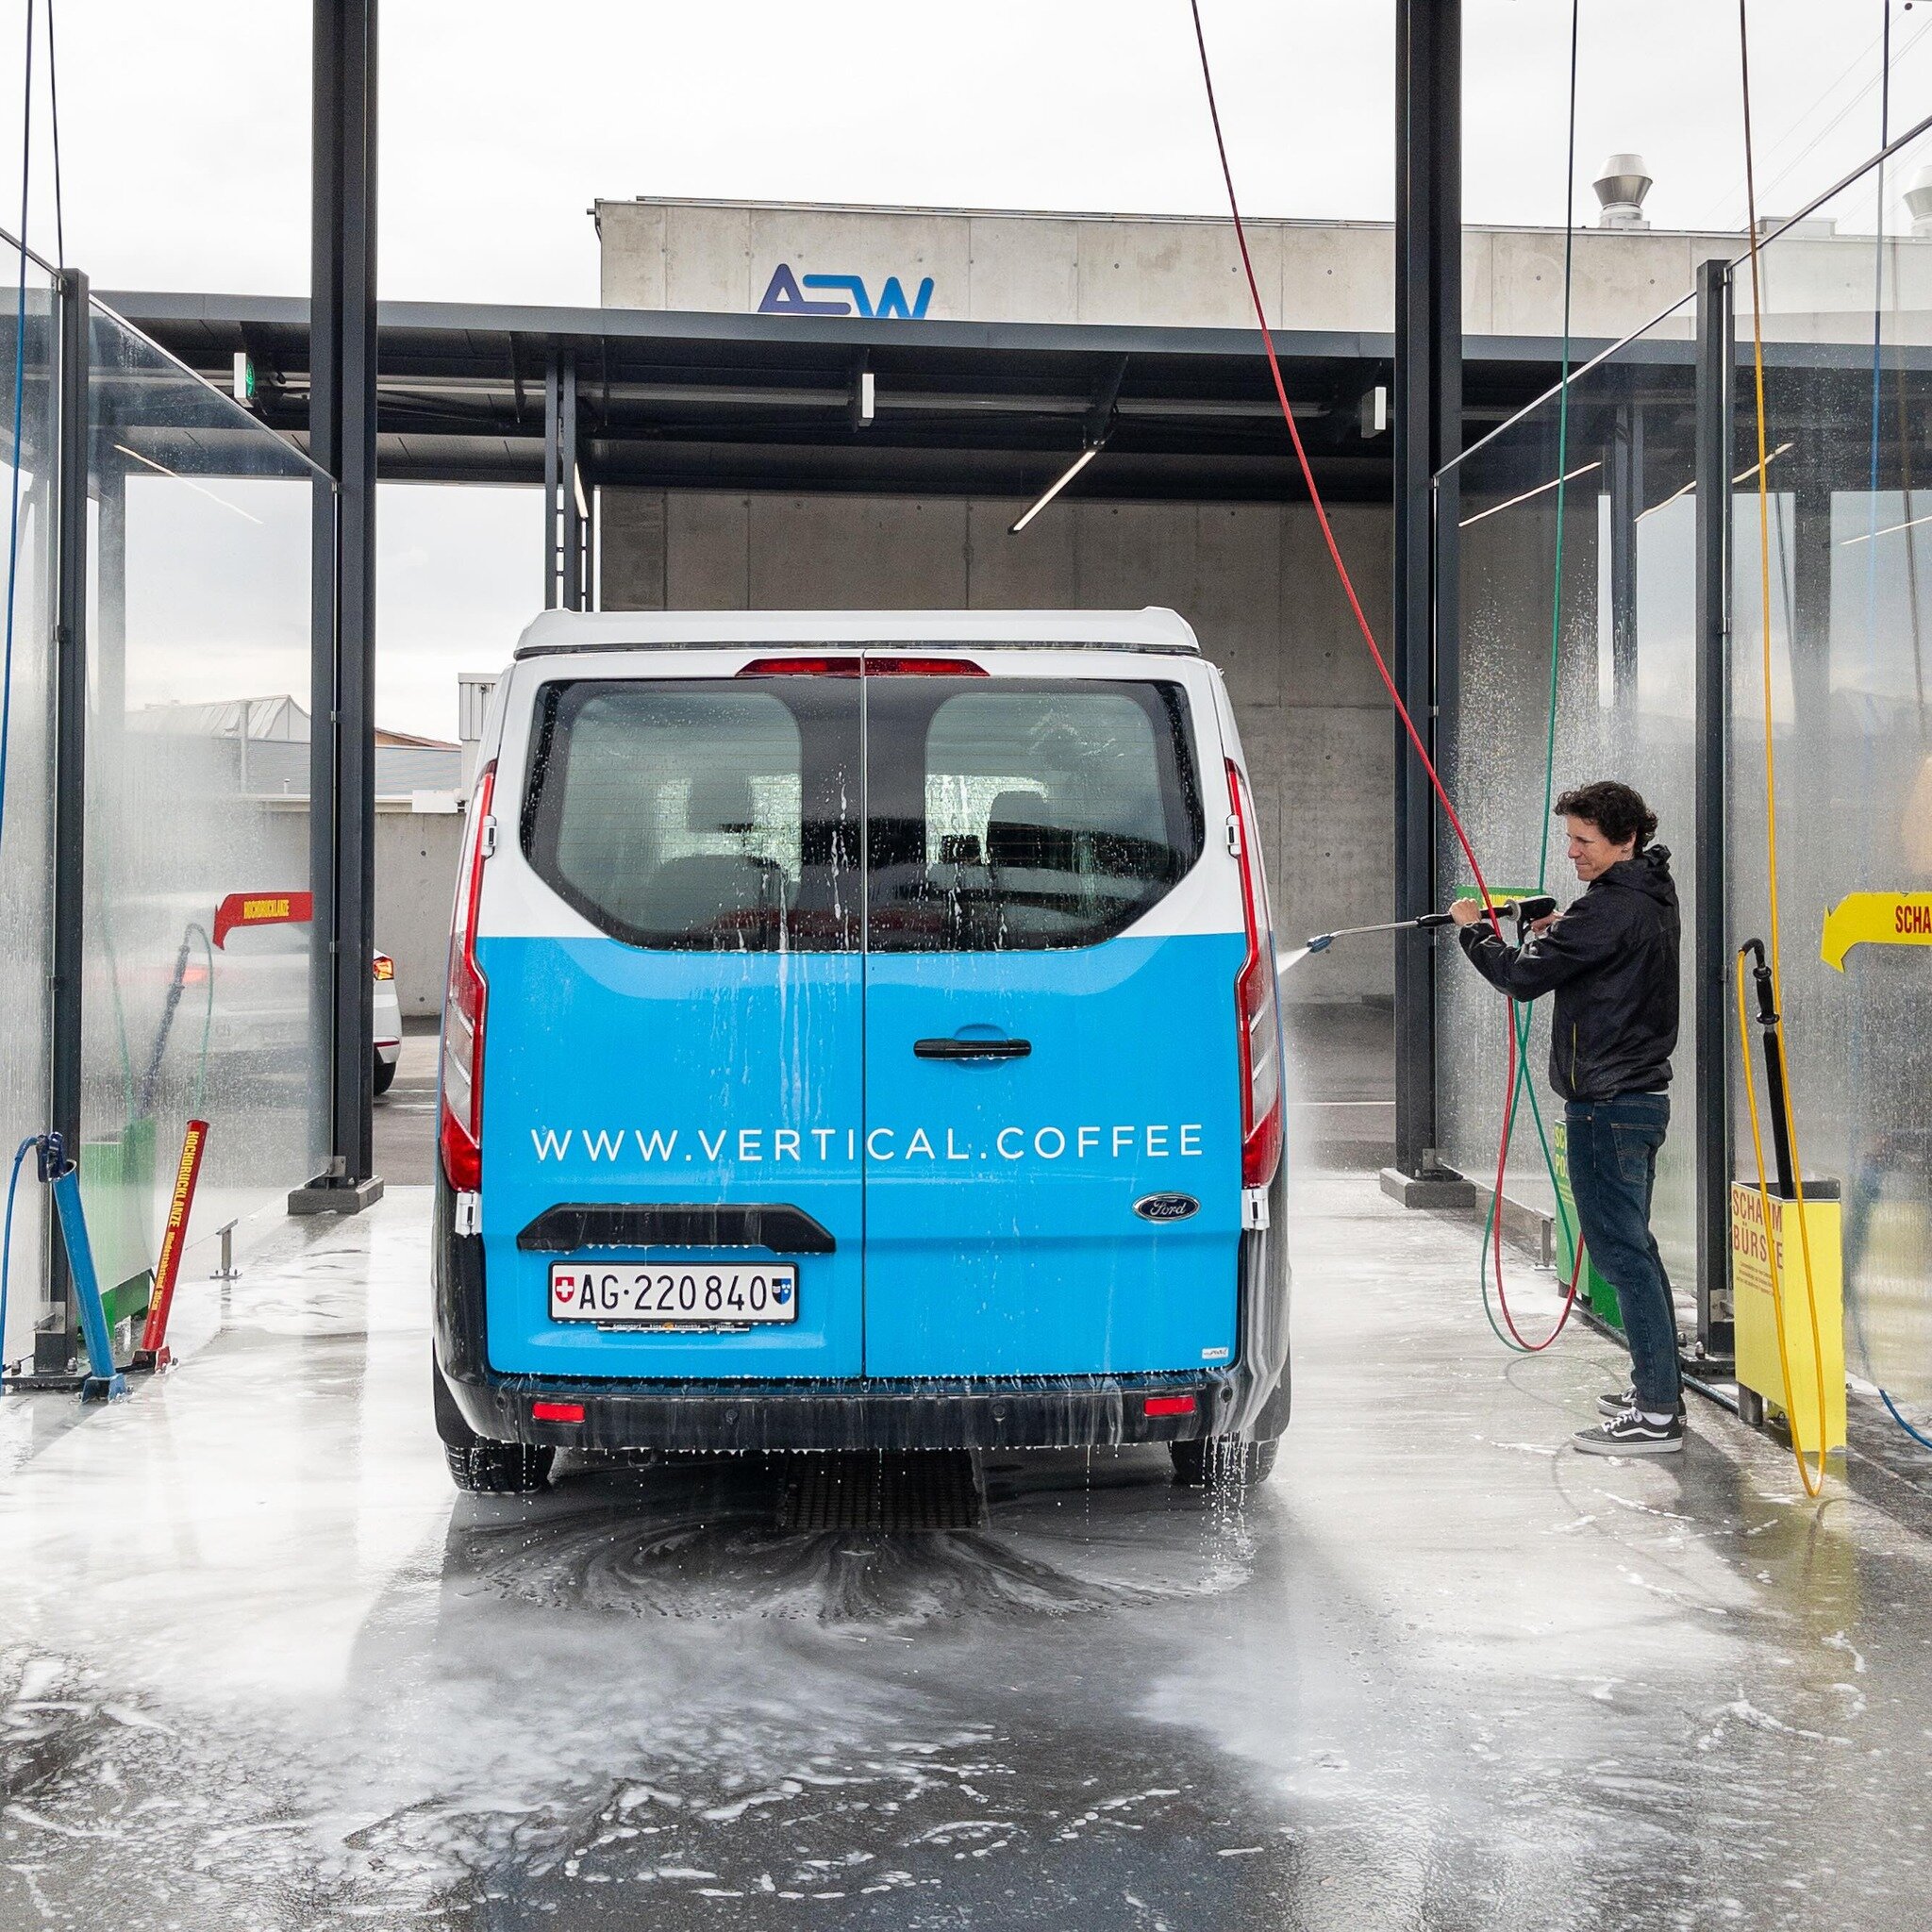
674,1034
1052,1104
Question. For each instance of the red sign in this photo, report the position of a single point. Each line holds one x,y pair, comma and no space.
262,909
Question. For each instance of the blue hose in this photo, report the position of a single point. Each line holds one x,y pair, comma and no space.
20,1154
1924,1441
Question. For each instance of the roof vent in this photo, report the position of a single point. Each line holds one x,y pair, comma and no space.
1621,189
1919,199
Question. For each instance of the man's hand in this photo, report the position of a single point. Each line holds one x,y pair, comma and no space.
1466,911
1542,925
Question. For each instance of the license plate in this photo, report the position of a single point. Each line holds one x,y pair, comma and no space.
684,1294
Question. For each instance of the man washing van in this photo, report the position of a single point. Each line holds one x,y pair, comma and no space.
1611,959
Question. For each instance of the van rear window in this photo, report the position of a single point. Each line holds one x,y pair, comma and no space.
1022,815
732,815
702,816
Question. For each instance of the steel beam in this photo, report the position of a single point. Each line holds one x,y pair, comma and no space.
576,532
1710,1121
553,482
55,1337
1626,474
1428,433
342,427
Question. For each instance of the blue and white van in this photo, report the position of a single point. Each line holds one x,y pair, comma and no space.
861,1033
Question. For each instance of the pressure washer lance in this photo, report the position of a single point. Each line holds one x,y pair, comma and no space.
1773,1069
1525,912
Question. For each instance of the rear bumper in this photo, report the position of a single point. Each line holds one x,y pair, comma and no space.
1247,1398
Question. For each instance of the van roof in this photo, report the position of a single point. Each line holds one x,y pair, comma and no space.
1152,629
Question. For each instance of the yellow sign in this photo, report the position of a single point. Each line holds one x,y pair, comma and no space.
1759,1366
1875,919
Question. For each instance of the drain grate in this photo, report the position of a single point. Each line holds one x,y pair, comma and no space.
930,1489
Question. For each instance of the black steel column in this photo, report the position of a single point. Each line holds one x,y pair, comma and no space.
1710,1123
1428,432
1810,617
1625,470
574,521
111,599
553,482
342,421
55,1340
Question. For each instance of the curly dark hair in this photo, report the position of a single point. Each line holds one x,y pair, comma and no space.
1616,811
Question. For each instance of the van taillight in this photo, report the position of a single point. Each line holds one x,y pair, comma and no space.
874,666
462,1011
1255,1019
803,667
922,667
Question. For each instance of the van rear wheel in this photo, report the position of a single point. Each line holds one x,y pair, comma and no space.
478,1465
1217,1463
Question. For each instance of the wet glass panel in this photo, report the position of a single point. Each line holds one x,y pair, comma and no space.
1609,660
27,829
1846,301
200,993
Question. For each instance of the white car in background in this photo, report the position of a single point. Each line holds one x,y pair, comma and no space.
389,1022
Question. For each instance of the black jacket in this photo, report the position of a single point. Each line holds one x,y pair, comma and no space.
1612,961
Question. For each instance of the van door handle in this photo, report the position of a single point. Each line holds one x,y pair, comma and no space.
972,1049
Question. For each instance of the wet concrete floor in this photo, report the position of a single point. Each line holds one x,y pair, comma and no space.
260,1666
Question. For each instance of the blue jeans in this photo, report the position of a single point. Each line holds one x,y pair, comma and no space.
1612,1156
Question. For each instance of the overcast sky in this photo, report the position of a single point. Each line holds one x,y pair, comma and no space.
185,144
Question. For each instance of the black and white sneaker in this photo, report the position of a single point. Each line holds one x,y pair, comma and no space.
1629,1432
1609,1406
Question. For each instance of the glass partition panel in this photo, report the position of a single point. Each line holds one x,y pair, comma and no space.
198,992
1620,635
28,337
1847,307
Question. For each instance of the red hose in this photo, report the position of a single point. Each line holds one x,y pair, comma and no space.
1354,604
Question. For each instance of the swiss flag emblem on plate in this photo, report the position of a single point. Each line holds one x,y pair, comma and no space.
564,1287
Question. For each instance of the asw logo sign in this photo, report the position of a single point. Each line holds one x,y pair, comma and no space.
785,297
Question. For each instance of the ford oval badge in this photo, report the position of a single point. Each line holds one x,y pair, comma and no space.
1166,1206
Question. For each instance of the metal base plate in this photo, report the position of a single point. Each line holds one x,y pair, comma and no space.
1428,1191
324,1196
928,1489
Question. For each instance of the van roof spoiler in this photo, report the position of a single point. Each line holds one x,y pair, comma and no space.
1152,629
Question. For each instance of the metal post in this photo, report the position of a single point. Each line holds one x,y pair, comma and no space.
110,600
567,478
55,1342
1809,643
342,418
552,477
1710,1125
1428,433
1625,469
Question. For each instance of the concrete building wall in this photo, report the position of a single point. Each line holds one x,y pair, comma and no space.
1183,271
1252,580
416,854
1173,270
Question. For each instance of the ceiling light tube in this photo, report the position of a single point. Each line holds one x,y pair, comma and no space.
1889,530
1054,488
1743,475
175,477
1541,488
